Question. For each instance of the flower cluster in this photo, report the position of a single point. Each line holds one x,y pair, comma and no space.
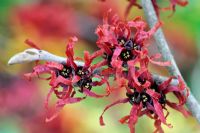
70,75
124,51
126,55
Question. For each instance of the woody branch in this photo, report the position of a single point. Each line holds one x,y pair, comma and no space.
30,55
163,48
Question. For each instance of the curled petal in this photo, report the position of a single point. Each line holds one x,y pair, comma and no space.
115,57
65,93
155,28
70,100
53,116
131,3
137,23
165,84
32,44
48,97
157,124
179,108
87,59
70,52
92,94
75,79
54,65
124,119
159,112
37,70
153,94
56,81
171,89
135,110
159,63
107,72
60,104
98,65
96,54
109,106
183,86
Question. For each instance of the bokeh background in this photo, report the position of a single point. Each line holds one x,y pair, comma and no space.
49,23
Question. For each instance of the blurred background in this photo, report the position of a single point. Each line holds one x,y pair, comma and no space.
49,23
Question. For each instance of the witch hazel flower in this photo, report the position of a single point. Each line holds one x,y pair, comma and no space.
69,76
148,97
172,5
124,41
157,7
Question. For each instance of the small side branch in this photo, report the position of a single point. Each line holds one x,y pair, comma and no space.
30,55
163,48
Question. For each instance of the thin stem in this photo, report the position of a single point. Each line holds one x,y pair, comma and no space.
163,48
30,55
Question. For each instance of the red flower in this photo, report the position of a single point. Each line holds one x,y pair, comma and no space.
172,5
123,42
69,75
148,97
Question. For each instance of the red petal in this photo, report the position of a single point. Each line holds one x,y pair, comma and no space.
60,104
155,28
153,94
159,110
115,56
37,70
47,97
165,84
54,65
96,54
178,108
157,124
92,94
171,89
157,56
70,100
70,51
87,59
56,81
124,119
134,117
131,3
32,44
98,65
108,106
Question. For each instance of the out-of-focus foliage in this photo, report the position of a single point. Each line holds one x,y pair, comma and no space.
24,112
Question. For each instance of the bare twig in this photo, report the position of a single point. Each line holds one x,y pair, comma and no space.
30,55
163,47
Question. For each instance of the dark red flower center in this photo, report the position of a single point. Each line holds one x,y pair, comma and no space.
128,44
126,55
137,97
108,58
85,83
81,72
162,99
65,72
